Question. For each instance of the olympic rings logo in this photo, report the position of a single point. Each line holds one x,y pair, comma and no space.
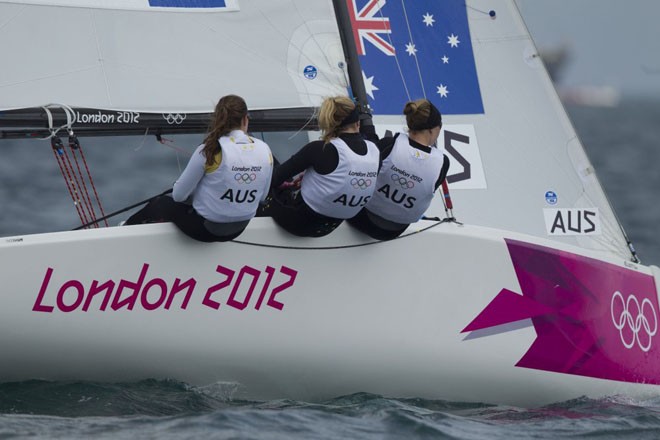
635,319
402,181
245,177
360,183
174,118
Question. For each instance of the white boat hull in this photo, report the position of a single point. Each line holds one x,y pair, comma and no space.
338,315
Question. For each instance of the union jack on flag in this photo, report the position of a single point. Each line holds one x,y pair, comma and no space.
416,49
367,26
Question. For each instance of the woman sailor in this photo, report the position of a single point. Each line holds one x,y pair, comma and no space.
340,174
226,178
413,167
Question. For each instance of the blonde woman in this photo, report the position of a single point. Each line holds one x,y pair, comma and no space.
340,174
413,167
226,178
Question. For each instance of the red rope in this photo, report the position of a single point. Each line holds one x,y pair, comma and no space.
81,184
58,151
75,184
91,181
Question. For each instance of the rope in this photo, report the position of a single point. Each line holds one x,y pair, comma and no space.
70,118
58,151
76,145
349,246
170,143
79,186
75,181
80,181
135,205
490,13
75,186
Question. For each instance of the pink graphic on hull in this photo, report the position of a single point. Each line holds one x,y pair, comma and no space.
591,318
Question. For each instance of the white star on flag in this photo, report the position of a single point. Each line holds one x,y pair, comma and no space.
445,60
369,85
452,40
428,19
442,90
410,48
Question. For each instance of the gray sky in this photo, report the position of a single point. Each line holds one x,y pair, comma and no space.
613,42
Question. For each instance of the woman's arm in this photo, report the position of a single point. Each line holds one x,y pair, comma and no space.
306,157
443,172
187,182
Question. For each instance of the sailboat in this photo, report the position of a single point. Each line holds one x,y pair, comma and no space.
526,292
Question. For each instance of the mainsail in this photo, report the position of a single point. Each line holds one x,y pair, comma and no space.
173,58
517,163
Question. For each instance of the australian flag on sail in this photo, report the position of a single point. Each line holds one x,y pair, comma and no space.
416,49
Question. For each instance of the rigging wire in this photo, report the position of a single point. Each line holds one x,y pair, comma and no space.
490,13
307,122
419,71
396,56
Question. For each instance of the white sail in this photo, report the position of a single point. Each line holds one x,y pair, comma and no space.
138,56
517,163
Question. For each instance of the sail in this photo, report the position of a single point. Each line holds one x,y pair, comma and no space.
516,161
166,56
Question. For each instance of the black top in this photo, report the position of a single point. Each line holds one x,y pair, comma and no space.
323,157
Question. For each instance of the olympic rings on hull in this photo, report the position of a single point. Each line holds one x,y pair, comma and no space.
634,318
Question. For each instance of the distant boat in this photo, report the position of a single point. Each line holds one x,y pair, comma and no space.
556,59
590,96
536,296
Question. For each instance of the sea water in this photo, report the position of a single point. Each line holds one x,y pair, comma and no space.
623,143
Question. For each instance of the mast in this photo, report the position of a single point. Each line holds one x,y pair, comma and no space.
352,60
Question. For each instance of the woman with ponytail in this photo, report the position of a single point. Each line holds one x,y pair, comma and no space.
413,167
340,174
225,180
